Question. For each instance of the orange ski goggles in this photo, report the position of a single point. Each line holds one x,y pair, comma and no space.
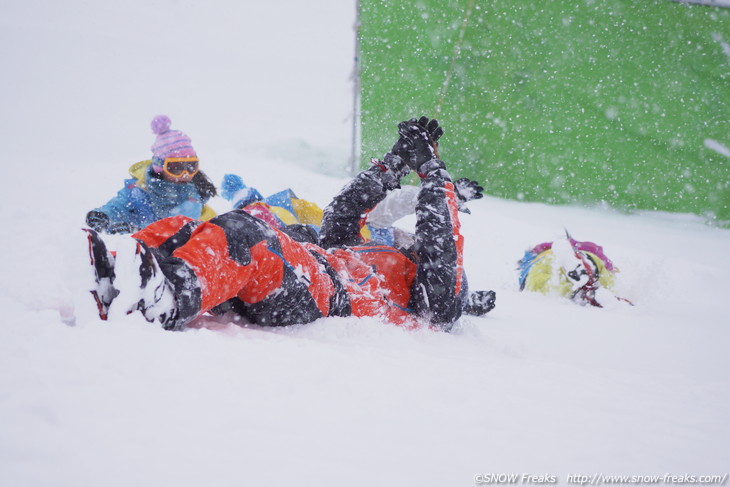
176,166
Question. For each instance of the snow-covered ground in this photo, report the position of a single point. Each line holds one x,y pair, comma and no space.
540,386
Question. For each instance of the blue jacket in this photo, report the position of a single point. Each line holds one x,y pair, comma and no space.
140,203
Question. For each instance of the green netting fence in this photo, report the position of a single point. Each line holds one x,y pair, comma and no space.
622,102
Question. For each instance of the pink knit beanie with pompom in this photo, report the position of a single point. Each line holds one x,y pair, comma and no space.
169,143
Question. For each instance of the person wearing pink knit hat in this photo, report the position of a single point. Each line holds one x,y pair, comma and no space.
172,146
169,184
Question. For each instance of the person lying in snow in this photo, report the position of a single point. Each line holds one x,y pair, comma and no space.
279,209
169,184
580,271
286,208
178,268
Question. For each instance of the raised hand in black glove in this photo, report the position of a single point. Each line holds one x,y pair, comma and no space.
97,220
467,190
403,147
421,135
433,129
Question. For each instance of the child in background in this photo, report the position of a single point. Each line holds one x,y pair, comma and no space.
170,184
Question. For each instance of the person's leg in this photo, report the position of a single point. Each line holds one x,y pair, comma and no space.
167,234
439,289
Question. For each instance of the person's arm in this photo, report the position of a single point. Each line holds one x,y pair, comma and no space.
344,217
115,216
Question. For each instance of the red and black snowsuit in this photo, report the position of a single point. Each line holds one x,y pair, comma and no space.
273,277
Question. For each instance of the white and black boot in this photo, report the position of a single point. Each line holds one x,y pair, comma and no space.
102,261
142,285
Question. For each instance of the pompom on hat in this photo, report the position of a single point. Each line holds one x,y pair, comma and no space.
169,143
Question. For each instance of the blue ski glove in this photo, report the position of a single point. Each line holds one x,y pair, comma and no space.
235,190
232,184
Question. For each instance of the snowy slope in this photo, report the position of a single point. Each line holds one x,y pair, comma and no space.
540,386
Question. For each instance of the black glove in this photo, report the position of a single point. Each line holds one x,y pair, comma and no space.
422,136
467,190
403,148
97,220
121,227
433,129
480,303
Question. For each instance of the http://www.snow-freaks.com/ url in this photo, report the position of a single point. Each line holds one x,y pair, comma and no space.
599,479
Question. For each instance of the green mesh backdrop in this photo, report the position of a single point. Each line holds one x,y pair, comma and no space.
581,101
